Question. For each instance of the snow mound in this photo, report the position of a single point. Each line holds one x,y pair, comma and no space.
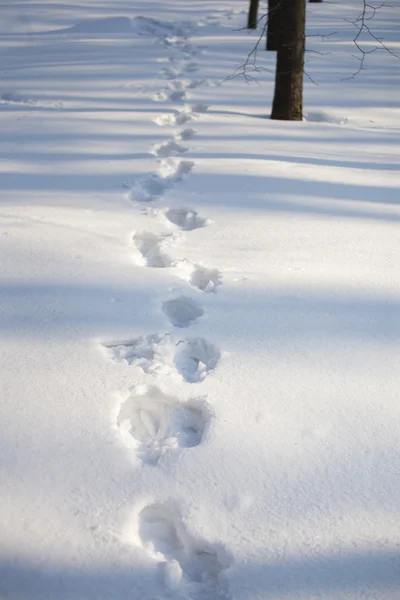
320,116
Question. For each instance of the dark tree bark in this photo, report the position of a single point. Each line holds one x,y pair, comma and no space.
273,27
252,16
315,0
288,97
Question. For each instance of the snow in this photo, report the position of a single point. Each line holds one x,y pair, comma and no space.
200,308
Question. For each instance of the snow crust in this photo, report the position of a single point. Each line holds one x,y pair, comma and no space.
199,309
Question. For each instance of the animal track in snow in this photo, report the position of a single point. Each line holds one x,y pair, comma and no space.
153,422
185,218
182,311
191,359
151,253
191,566
170,148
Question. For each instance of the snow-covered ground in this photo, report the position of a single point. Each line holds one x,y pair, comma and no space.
199,309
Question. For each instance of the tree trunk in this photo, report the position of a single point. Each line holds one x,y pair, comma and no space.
288,97
273,27
252,16
315,0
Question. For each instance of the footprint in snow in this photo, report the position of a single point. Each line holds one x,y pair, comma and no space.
190,67
175,91
195,358
147,189
162,29
190,566
200,277
152,353
154,185
174,170
205,279
151,423
166,149
181,117
185,218
150,252
183,46
191,359
186,134
200,108
170,73
182,311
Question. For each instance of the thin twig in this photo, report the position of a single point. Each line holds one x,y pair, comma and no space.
361,23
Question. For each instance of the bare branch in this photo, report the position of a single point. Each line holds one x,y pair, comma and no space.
250,64
361,24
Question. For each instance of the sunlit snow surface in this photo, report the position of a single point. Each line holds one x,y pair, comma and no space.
199,309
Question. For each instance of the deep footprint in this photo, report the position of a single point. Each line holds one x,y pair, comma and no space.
152,353
170,73
195,358
200,108
149,188
175,91
182,311
151,253
190,67
187,134
153,423
155,184
170,148
192,566
173,170
179,118
192,359
185,218
205,279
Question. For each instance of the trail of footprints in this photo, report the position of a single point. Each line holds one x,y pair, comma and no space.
150,422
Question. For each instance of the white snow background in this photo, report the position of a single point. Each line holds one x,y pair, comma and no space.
199,308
